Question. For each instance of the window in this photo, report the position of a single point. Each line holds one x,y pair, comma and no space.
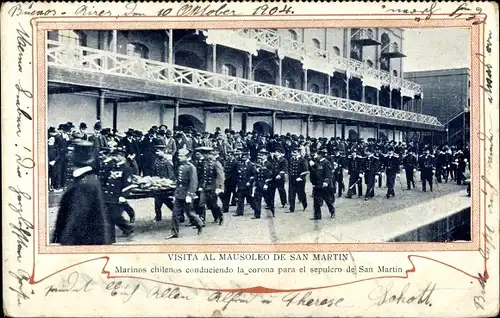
72,38
370,34
384,64
292,35
314,88
290,83
229,70
137,50
369,63
395,73
336,50
316,43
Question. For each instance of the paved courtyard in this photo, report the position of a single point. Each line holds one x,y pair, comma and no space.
292,227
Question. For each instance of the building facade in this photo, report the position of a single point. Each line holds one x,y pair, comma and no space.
447,97
319,82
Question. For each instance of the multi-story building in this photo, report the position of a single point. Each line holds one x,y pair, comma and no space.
319,82
447,97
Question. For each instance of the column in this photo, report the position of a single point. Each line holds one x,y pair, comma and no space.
231,117
363,98
170,54
343,132
347,86
335,129
214,58
329,85
304,88
250,72
100,103
308,126
115,114
394,133
176,113
358,129
273,122
114,41
377,128
402,106
280,73
390,97
244,118
378,96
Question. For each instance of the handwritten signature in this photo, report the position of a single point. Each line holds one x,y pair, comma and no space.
22,42
21,277
21,112
73,283
23,226
385,295
429,11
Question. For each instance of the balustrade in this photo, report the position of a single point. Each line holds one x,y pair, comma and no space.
92,60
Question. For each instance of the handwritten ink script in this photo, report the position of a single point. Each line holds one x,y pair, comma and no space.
383,295
428,12
132,9
472,15
74,283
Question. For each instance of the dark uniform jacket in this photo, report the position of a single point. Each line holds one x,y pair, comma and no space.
119,177
187,181
298,168
280,167
163,168
246,174
427,162
213,175
264,173
231,170
393,163
131,147
354,165
410,161
81,219
321,172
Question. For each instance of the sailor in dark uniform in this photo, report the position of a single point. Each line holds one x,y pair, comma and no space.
370,172
264,177
297,179
213,176
354,170
410,166
338,165
163,168
321,179
230,174
187,183
245,178
427,168
82,217
280,167
392,171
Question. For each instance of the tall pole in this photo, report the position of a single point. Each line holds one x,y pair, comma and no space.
100,104
214,58
171,55
280,73
305,81
273,122
378,96
329,85
114,40
347,86
390,96
115,115
250,73
308,126
335,129
231,117
176,113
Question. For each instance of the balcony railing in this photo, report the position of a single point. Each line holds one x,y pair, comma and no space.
92,60
272,40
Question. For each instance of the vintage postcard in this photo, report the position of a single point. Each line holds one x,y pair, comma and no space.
253,159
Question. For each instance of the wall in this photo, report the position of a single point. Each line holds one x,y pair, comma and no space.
70,107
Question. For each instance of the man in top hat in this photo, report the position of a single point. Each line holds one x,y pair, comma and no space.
213,182
280,171
83,131
264,177
62,142
322,181
410,165
245,178
427,168
187,183
370,172
131,150
162,168
51,156
148,152
297,182
82,218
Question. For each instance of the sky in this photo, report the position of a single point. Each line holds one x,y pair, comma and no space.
436,49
